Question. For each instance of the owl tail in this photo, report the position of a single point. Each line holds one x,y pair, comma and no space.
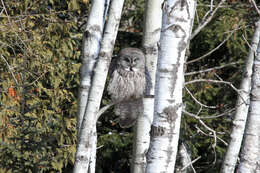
128,112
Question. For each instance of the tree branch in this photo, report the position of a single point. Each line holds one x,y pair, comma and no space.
213,81
9,67
211,69
255,6
213,50
205,20
197,101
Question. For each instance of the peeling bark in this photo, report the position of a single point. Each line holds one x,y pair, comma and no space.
176,28
90,49
242,107
250,160
152,30
87,135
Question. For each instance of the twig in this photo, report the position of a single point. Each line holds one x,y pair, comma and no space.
206,21
211,5
211,69
5,11
218,77
197,101
227,6
256,8
100,147
212,81
9,67
218,81
219,115
248,44
207,127
102,110
213,50
197,16
193,161
36,78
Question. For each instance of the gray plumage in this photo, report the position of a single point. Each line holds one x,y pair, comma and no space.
127,85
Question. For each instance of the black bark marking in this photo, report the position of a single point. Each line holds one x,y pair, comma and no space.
95,28
174,76
157,131
171,100
150,50
104,54
171,113
163,70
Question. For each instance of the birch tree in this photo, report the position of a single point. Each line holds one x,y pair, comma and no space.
250,162
90,49
87,133
176,27
152,28
242,107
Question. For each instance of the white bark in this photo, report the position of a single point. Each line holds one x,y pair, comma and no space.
90,49
152,30
92,159
88,128
176,26
250,152
185,160
242,107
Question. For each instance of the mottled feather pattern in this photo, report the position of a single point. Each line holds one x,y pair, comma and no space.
127,85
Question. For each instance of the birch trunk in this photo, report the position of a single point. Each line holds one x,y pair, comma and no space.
176,26
88,134
242,107
250,152
90,49
185,164
152,30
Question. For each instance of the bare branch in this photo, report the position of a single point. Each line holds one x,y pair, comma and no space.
3,4
197,101
227,6
206,20
220,115
248,44
213,132
256,8
213,50
103,109
213,81
190,164
218,81
9,67
212,69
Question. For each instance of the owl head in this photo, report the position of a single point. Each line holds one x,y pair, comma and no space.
131,59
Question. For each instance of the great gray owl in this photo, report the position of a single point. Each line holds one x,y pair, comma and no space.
127,85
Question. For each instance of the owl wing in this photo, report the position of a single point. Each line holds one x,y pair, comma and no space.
112,66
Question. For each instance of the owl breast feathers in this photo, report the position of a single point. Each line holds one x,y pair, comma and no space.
127,85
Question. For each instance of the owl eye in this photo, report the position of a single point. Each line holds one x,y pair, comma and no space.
127,59
136,59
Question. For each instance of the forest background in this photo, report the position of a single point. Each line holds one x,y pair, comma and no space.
40,49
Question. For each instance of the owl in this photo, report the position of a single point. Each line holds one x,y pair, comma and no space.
127,85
